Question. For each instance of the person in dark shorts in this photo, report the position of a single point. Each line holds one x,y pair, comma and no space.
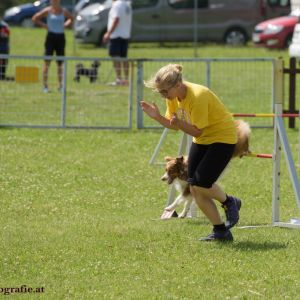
4,48
57,19
118,34
197,111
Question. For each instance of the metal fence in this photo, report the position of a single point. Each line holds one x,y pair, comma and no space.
87,100
244,85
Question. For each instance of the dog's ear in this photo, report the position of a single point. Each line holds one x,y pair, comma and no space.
96,63
168,158
180,158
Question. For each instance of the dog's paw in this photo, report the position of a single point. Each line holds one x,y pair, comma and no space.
182,215
169,208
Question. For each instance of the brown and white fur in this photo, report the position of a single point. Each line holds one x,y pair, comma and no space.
176,169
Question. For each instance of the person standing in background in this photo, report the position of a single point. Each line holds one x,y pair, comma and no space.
57,19
4,48
118,35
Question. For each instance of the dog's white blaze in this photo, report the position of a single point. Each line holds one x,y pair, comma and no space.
180,185
165,177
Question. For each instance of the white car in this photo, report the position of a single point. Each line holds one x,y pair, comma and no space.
294,48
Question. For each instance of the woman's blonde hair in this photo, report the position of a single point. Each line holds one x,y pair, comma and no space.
166,77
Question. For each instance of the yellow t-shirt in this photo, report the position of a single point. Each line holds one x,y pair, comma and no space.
202,108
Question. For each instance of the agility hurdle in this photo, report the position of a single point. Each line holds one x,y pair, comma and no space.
280,142
280,139
267,115
259,155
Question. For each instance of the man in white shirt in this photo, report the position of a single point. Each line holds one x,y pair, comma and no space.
118,34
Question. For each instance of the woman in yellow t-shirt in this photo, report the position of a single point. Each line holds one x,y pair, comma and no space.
197,111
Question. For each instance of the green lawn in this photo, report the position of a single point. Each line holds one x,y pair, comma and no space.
80,213
31,42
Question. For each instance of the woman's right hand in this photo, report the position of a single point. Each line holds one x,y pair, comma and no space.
150,109
105,38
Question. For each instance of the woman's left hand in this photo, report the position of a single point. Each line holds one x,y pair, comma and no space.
174,120
150,109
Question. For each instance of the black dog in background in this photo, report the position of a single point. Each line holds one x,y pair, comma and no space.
91,73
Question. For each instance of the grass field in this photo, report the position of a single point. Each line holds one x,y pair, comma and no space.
31,42
80,213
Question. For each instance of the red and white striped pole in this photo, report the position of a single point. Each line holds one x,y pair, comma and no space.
266,115
260,155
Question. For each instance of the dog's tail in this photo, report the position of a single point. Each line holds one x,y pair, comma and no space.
243,132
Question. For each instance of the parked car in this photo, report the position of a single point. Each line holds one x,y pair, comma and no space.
22,14
4,48
226,21
294,49
84,3
275,33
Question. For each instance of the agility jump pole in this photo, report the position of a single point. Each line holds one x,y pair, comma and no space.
281,142
267,115
259,155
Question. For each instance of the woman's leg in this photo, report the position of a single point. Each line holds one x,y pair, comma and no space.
59,45
45,73
207,206
48,52
230,204
60,74
206,163
215,192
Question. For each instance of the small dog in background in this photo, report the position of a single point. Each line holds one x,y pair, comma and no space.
91,73
176,170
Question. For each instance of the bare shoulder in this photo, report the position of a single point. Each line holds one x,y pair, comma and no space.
66,13
45,11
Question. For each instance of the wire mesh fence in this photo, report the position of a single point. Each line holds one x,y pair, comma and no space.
243,85
89,97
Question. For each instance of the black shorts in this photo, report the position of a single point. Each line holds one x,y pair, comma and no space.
55,42
207,162
118,47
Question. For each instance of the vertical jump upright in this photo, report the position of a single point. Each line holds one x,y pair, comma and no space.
281,142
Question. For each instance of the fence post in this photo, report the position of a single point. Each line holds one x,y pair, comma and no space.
64,94
130,96
292,90
208,73
292,71
139,92
278,100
